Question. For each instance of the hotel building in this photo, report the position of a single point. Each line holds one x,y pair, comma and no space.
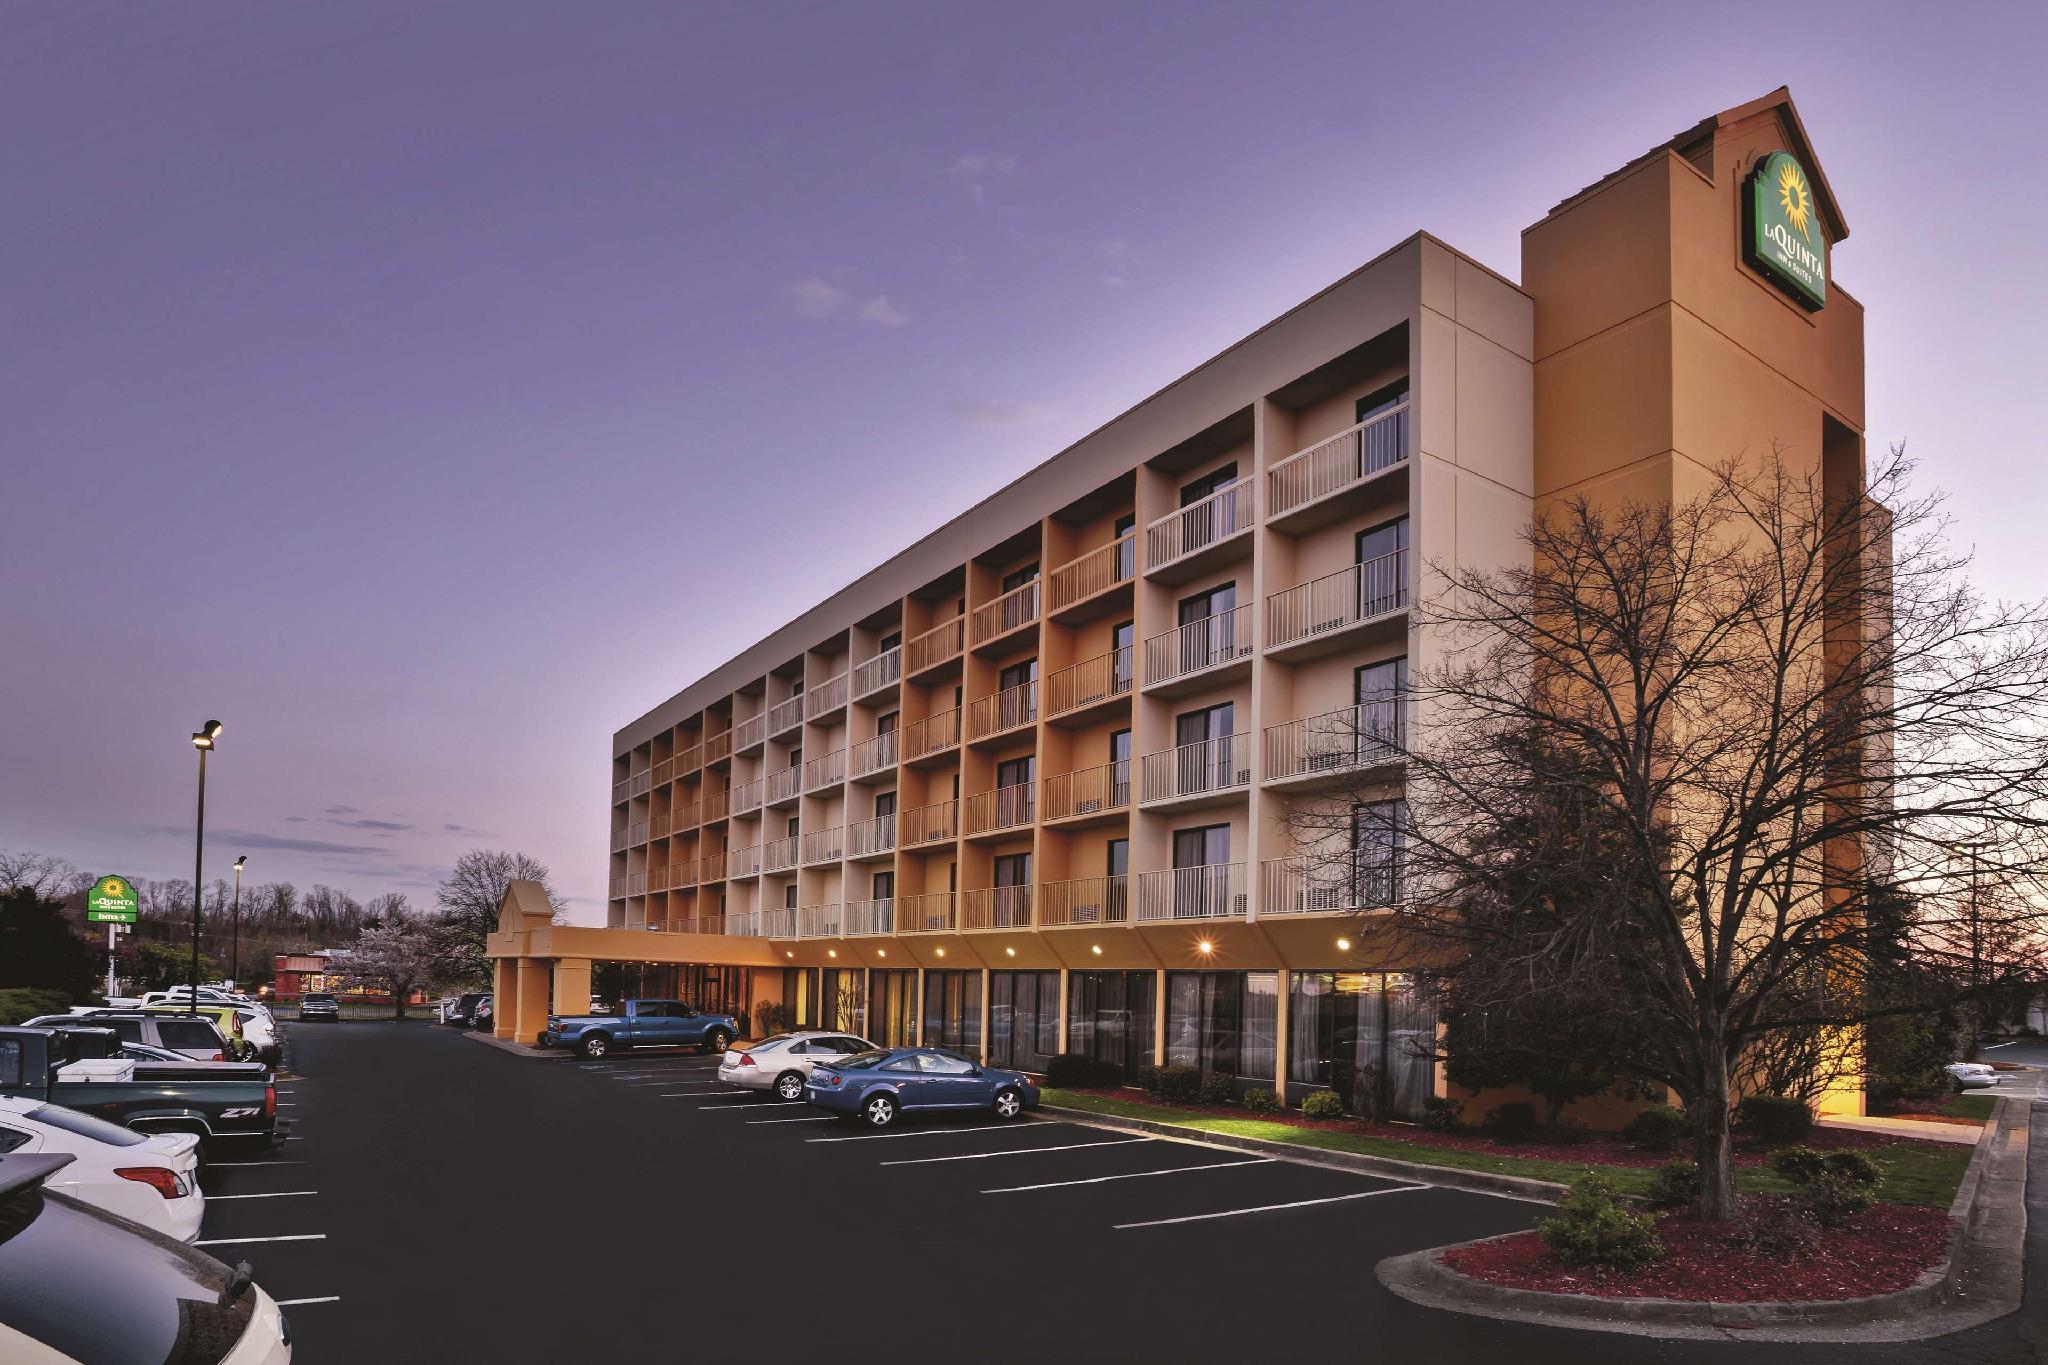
1023,788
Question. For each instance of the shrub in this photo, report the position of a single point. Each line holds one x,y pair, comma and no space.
1773,1120
1513,1122
1324,1104
1659,1128
1778,1228
1440,1114
26,1002
1146,1078
1260,1101
1218,1088
1675,1185
1566,1133
1832,1186
1105,1075
1180,1084
1594,1227
1069,1071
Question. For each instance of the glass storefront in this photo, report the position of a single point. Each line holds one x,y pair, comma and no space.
715,990
1109,1017
1223,1022
842,1001
1366,1035
1023,1019
952,1011
892,1008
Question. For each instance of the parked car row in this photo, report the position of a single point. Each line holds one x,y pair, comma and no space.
641,1023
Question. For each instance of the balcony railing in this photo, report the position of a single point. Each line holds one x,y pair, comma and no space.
710,868
618,888
942,642
1003,808
824,845
743,862
878,672
931,824
1213,892
928,914
1099,570
657,826
1350,457
1213,765
786,715
1353,737
779,855
622,838
1016,608
622,790
778,921
932,735
743,923
643,781
747,796
1209,642
716,805
828,770
872,756
827,697
636,883
871,917
1013,708
1091,791
865,838
686,816
1090,681
1088,900
996,907
657,879
1196,527
1352,595
821,921
718,746
690,760
664,772
636,833
1297,886
749,733
784,784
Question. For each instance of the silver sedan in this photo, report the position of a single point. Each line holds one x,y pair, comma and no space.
783,1063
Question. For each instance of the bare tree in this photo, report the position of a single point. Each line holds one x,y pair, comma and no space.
1663,769
49,878
470,898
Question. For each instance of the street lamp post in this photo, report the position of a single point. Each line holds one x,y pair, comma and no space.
202,740
235,962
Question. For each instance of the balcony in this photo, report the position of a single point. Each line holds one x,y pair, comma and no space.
657,826
878,674
1082,579
664,772
1001,809
636,883
828,698
1088,795
779,855
1088,900
934,824
743,862
618,888
1297,886
747,796
777,922
1196,774
657,879
1324,481
1209,650
1321,616
715,806
821,921
1013,708
1013,611
684,818
744,924
748,735
718,748
874,838
826,771
865,918
689,760
643,781
1185,542
783,785
824,846
622,791
1348,740
710,868
785,716
1092,682
622,838
996,907
928,914
1213,892
940,645
873,758
932,736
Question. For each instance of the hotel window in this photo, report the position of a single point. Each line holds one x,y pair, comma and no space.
1123,659
1201,889
889,642
1382,400
1023,1018
1127,552
1367,1035
1205,635
1377,831
1019,577
1120,768
1379,691
892,1007
952,1010
1215,480
1109,1017
1382,554
1223,1022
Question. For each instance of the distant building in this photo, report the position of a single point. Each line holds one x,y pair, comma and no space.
320,971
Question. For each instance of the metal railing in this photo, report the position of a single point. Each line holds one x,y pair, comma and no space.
743,862
620,837
824,845
743,923
1086,900
928,914
1003,808
716,805
784,784
710,868
684,817
622,790
778,921
1212,765
786,714
1213,892
1090,791
878,672
636,883
664,772
643,781
827,770
1350,457
867,837
1094,571
1352,737
996,907
749,733
618,888
779,855
821,921
636,833
747,796
1206,643
1354,594
1014,609
932,735
657,826
942,642
1296,886
931,824
657,878
1013,708
872,756
871,917
1090,681
1199,525
828,696
718,746
690,760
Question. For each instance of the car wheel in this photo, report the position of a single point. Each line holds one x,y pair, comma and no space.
595,1046
1009,1104
717,1041
879,1111
790,1085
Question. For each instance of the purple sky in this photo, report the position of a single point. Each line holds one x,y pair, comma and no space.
411,386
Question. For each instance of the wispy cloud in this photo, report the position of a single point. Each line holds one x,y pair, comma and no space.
391,825
997,412
881,311
340,810
974,170
815,297
243,838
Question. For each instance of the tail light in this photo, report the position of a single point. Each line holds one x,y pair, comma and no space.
167,1183
830,1079
743,1060
270,1101
220,1056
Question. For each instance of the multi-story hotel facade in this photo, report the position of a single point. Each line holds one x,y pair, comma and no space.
1024,788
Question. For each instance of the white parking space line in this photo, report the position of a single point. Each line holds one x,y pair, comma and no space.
697,1094
821,1118
1270,1208
1133,1175
225,1165
702,1085
282,1104
920,1132
237,1241
275,1194
1018,1151
743,1104
294,1303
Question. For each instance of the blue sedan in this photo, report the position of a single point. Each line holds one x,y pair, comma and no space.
877,1086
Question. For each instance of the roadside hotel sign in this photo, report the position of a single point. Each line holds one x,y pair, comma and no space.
1783,235
111,901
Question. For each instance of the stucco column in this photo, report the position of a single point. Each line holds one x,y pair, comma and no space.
532,1014
1063,1010
504,996
1158,1018
572,985
987,989
1280,1035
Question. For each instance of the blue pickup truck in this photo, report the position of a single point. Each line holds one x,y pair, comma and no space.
641,1023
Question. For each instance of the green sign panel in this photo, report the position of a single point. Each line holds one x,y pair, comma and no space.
111,901
1785,240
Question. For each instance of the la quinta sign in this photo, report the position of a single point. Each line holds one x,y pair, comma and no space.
1781,219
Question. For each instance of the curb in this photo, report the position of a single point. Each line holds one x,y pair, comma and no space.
517,1049
1980,1277
1449,1177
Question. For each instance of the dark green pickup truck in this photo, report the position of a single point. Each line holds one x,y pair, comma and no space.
238,1111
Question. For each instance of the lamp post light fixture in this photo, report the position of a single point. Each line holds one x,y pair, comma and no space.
202,740
235,961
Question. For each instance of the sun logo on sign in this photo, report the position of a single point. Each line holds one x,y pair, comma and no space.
113,886
1796,198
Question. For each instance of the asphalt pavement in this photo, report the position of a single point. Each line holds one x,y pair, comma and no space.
455,1203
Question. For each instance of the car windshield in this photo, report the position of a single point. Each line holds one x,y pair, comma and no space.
859,1061
319,1000
85,1125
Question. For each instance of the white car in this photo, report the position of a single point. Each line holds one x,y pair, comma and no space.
1974,1075
783,1063
151,1179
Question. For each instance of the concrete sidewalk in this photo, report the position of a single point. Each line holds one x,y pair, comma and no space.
1965,1135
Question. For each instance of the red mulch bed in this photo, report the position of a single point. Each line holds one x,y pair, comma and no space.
1598,1149
1880,1251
